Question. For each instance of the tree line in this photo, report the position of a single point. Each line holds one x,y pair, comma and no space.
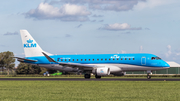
24,68
7,63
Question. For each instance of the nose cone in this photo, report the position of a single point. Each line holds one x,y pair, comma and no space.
165,64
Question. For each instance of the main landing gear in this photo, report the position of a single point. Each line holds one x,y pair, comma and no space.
97,77
87,76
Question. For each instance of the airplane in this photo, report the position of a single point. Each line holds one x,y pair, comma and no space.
97,64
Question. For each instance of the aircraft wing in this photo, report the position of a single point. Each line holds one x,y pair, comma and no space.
23,59
67,64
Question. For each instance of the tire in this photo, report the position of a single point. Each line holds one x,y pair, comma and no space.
87,76
97,77
148,77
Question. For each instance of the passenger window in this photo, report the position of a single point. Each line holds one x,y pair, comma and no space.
61,60
69,59
101,59
77,59
105,59
109,59
85,59
117,59
129,58
121,59
73,59
113,59
133,58
89,59
125,58
65,59
93,59
81,59
97,59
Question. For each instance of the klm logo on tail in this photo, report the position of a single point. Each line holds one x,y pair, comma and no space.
30,44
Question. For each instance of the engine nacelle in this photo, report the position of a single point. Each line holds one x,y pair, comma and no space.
119,74
102,71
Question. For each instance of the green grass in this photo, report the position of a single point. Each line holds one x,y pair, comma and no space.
89,90
117,77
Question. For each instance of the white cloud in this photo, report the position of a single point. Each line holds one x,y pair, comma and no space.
122,51
67,35
79,26
168,53
11,33
140,49
178,52
153,3
68,12
2,45
97,15
70,9
119,26
101,20
111,5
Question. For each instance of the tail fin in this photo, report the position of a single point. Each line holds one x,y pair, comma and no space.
31,47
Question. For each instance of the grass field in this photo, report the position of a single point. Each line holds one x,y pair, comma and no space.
89,90
121,77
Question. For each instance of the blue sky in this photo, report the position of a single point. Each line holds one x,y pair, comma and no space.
93,26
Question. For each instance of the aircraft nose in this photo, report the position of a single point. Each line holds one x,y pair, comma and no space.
165,65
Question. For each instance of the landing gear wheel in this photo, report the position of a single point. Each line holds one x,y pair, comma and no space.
97,77
87,76
148,76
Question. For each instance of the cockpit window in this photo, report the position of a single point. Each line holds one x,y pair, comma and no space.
155,58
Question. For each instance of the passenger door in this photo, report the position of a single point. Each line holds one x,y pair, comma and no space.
143,61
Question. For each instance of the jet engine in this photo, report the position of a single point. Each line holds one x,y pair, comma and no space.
101,71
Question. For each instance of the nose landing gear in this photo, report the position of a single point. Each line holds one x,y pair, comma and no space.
148,74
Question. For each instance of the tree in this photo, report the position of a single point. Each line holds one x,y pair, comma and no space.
2,60
24,68
8,60
43,70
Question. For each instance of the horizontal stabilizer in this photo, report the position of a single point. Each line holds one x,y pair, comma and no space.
23,59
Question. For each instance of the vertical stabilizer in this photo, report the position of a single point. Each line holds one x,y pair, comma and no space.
31,47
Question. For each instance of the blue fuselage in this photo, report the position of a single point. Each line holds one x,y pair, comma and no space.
130,59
